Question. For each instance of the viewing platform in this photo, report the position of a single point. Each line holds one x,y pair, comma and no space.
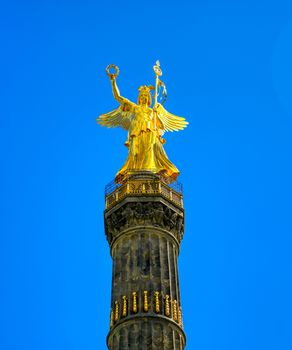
144,183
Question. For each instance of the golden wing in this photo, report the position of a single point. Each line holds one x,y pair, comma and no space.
168,121
121,116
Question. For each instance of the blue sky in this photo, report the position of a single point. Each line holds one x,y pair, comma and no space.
227,67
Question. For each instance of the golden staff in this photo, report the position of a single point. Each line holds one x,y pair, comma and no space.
158,73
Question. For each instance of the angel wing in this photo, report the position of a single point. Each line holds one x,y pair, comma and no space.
168,121
121,116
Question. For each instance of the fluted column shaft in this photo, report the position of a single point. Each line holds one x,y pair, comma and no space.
144,231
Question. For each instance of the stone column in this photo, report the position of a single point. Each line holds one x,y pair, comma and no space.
144,221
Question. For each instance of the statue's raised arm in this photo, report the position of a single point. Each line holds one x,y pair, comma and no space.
123,115
116,91
115,88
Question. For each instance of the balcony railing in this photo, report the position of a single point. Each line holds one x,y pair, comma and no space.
144,183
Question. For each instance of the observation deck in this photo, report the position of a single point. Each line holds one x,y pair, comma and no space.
144,183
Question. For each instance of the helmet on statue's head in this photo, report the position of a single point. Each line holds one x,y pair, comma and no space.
144,92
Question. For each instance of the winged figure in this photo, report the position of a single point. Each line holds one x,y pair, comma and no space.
145,126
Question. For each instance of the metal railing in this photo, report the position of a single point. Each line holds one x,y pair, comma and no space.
143,183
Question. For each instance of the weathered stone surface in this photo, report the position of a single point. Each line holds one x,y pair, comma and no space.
144,233
157,213
145,333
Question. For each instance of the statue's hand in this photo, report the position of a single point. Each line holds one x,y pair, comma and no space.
112,77
109,71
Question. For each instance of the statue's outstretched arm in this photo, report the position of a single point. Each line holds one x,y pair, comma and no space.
123,115
116,91
113,76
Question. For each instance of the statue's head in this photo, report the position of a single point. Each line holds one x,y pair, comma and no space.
144,97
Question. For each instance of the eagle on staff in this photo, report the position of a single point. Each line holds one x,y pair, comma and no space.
145,125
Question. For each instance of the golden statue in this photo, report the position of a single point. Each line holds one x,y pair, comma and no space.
145,126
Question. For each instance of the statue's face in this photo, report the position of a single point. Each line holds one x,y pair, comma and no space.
143,99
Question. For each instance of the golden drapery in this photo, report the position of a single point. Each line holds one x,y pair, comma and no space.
146,150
